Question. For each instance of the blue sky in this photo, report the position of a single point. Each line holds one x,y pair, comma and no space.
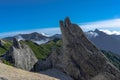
34,15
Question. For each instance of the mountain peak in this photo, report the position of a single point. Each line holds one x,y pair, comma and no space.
100,32
35,33
96,30
67,21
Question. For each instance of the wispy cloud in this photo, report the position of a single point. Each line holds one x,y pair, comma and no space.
110,32
49,31
113,23
104,26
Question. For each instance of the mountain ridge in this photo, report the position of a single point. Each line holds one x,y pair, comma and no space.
36,37
105,41
109,42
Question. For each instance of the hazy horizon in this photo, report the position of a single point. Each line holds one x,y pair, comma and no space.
23,16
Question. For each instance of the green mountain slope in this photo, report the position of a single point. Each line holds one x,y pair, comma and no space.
43,51
7,45
113,58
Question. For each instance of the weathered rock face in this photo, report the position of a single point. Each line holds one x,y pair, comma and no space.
16,44
1,43
41,66
2,78
80,58
21,56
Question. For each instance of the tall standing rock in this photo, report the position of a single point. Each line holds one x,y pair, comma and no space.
80,58
21,56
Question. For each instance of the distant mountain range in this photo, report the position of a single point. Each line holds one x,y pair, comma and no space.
99,38
36,37
104,41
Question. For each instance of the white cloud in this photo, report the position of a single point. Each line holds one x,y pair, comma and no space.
102,25
49,31
113,23
110,32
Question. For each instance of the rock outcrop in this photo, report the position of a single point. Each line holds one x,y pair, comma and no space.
42,65
21,56
81,59
57,74
1,43
2,78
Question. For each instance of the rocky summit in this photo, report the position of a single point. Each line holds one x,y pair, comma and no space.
21,56
80,59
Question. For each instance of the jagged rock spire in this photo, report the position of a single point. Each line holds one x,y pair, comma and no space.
80,58
67,22
16,43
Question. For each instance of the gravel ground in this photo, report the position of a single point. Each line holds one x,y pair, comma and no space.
12,73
